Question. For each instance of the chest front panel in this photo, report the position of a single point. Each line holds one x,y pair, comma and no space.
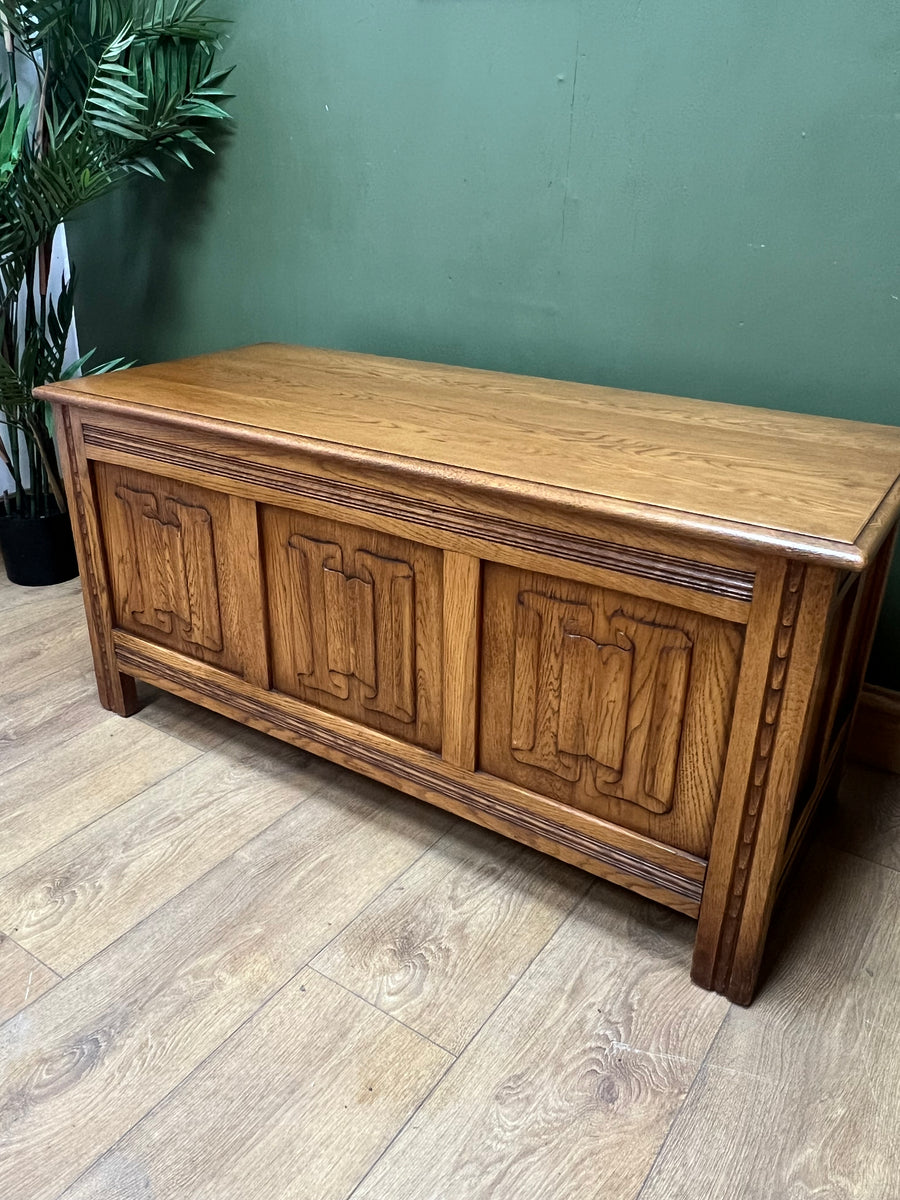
358,621
613,704
184,567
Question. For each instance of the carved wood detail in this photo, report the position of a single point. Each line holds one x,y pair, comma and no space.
368,623
417,571
607,713
712,578
791,597
361,617
613,704
115,690
173,583
184,567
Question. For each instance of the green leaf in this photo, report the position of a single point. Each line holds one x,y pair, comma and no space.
126,86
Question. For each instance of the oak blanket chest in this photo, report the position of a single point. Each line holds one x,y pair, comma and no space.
626,629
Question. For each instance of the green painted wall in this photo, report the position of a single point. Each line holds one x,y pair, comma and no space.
675,195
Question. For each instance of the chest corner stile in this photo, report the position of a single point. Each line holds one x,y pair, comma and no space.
659,696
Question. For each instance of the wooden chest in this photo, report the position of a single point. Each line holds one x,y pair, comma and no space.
627,629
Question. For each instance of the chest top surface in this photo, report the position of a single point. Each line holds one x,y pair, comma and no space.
660,458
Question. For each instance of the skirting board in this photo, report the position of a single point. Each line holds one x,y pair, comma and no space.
876,731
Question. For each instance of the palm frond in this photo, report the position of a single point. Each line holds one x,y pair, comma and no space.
14,119
33,22
112,103
41,192
124,85
157,19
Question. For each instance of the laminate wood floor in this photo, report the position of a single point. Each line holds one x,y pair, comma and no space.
230,970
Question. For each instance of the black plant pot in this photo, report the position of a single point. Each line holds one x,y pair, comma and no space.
38,550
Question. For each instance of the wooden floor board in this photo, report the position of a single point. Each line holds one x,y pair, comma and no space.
801,1093
304,1097
69,902
22,978
178,718
49,797
101,1049
866,818
570,1087
27,609
41,650
39,717
441,948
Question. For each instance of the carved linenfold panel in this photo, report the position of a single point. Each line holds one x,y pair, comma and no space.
368,622
174,582
606,712
594,704
184,568
611,703
360,613
661,664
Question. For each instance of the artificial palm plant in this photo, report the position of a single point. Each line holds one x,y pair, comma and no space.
93,92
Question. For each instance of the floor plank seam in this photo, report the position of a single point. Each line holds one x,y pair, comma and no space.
391,883
140,717
687,1095
14,766
863,858
223,1045
170,899
406,1124
371,1004
181,1083
9,937
566,918
101,816
40,625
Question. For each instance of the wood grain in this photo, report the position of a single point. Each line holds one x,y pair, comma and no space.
557,536
184,566
100,1050
800,1093
570,1087
532,628
442,947
624,573
39,716
22,978
781,667
53,794
116,691
135,1069
34,608
309,1118
32,654
461,630
813,475
45,671
358,616
68,903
